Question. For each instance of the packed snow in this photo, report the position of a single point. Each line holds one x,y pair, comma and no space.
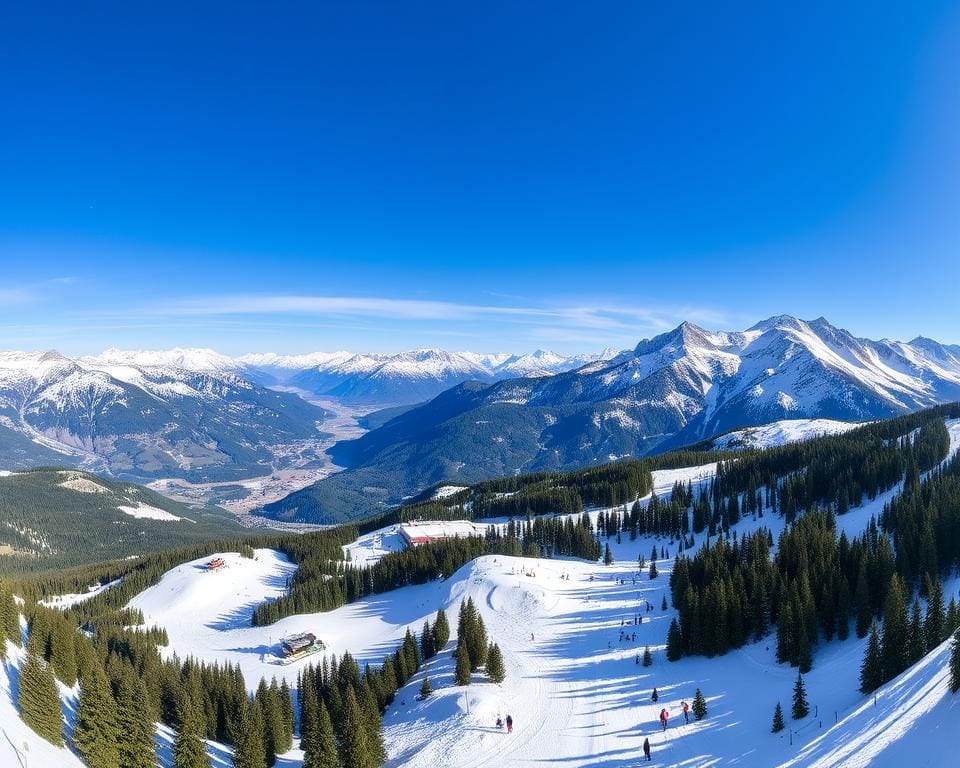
571,639
68,601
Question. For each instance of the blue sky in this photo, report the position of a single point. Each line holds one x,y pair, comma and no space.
379,176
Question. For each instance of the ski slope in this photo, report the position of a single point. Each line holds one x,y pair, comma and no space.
573,687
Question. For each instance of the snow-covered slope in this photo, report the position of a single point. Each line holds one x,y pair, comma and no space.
20,747
570,640
781,433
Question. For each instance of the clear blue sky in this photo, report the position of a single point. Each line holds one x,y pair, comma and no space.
378,176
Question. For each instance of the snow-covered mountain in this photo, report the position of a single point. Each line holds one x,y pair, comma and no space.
421,374
183,413
676,389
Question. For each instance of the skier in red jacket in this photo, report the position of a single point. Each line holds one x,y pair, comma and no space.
664,716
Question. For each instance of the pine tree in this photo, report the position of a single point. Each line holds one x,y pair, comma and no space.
936,615
777,719
674,641
699,705
96,734
495,668
322,749
135,721
462,674
441,630
63,655
862,600
373,724
800,706
39,700
955,663
896,631
427,650
249,751
189,749
663,603
355,749
9,619
309,712
426,689
871,670
917,643
653,569
647,657
607,554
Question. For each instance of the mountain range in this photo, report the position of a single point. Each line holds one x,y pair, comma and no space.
675,389
145,419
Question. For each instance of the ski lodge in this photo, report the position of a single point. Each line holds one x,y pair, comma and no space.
438,530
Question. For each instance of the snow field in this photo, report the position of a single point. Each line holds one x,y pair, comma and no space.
573,686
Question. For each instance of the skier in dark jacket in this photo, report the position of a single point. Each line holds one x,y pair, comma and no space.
646,749
509,723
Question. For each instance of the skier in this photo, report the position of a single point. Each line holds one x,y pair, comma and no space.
686,713
509,723
646,749
654,697
499,723
664,716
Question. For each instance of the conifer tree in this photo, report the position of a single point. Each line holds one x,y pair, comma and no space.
955,663
63,656
936,615
462,674
917,642
9,619
663,603
674,641
777,719
321,752
896,630
96,734
495,668
647,657
427,650
189,748
653,569
426,689
355,748
249,751
136,723
871,670
699,705
441,630
373,724
607,554
39,700
800,706
862,599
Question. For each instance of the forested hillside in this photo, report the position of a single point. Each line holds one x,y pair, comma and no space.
54,518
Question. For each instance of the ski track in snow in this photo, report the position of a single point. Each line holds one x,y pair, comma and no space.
576,694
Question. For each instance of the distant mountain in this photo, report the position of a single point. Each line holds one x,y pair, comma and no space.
418,375
146,415
675,389
58,518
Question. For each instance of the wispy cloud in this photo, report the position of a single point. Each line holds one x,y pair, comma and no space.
594,315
